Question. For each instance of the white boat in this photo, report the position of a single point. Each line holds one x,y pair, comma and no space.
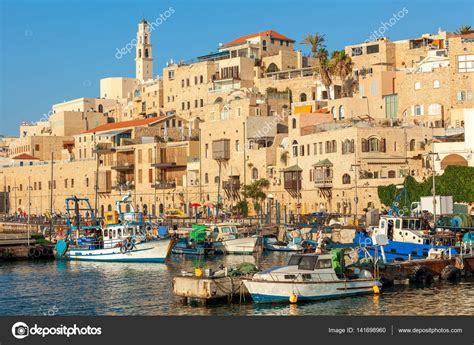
225,237
308,277
148,251
272,244
125,237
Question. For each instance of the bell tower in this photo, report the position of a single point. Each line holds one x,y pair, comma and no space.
143,57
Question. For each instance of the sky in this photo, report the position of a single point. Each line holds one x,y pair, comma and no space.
53,51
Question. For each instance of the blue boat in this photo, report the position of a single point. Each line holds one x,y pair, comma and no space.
406,239
186,246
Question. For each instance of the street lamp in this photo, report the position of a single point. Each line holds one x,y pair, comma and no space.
354,168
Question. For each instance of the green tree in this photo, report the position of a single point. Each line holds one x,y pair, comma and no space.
463,29
316,42
341,65
255,191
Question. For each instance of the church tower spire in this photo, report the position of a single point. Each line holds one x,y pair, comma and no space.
144,57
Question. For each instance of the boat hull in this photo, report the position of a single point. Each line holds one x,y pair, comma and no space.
151,251
280,292
244,245
398,251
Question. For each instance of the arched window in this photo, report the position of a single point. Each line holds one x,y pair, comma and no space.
333,112
434,109
218,100
272,68
293,123
341,112
161,208
374,145
391,174
146,53
109,208
346,179
303,97
412,145
254,174
216,179
295,148
206,178
352,148
100,108
139,53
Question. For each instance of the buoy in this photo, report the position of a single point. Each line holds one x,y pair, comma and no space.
376,290
293,298
198,272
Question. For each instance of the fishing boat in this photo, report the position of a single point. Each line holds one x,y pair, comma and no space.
226,239
406,239
124,238
309,277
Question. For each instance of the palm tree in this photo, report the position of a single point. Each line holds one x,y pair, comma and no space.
341,64
315,41
463,29
324,69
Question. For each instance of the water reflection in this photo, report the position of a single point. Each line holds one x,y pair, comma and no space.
91,288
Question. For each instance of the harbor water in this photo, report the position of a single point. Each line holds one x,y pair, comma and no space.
88,288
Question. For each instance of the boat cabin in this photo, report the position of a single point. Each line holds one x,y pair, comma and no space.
222,232
113,235
402,229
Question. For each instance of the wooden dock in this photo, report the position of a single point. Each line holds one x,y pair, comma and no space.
202,290
17,246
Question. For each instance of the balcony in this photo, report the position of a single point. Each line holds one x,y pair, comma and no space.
221,149
104,148
164,185
123,165
292,184
233,184
124,185
325,183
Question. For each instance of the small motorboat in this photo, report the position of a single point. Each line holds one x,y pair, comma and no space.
309,277
271,243
186,246
226,239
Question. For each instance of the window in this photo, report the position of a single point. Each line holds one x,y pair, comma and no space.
216,179
302,150
206,178
333,112
417,85
237,146
391,174
295,148
140,175
466,63
461,96
206,150
303,97
391,106
150,155
264,44
469,95
293,123
434,109
65,183
373,49
72,183
254,174
418,110
346,179
341,112
373,145
374,88
87,182
37,147
201,79
436,84
201,103
39,185
139,156
150,175
356,51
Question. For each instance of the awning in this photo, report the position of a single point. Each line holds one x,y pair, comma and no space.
293,168
323,163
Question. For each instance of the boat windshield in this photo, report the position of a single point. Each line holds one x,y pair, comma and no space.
228,230
294,260
412,224
308,262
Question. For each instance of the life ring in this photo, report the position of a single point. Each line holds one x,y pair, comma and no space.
31,252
